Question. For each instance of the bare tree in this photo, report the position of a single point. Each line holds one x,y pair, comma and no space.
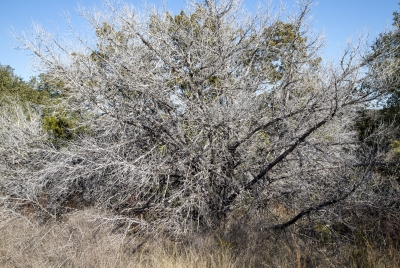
199,116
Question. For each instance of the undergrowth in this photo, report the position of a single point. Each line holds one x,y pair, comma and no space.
90,238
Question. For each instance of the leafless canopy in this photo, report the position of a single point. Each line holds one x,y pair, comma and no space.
198,117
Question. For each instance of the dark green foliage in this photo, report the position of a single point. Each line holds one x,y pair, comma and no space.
387,45
387,48
60,126
372,121
63,126
46,95
13,86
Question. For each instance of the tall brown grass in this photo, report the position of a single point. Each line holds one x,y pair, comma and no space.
88,239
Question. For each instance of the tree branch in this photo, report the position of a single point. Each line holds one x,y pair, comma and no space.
312,209
285,153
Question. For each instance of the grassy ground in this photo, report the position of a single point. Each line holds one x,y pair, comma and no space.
88,239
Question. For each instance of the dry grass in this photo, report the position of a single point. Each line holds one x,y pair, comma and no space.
88,239
84,240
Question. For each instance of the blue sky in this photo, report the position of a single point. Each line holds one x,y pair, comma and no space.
339,19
